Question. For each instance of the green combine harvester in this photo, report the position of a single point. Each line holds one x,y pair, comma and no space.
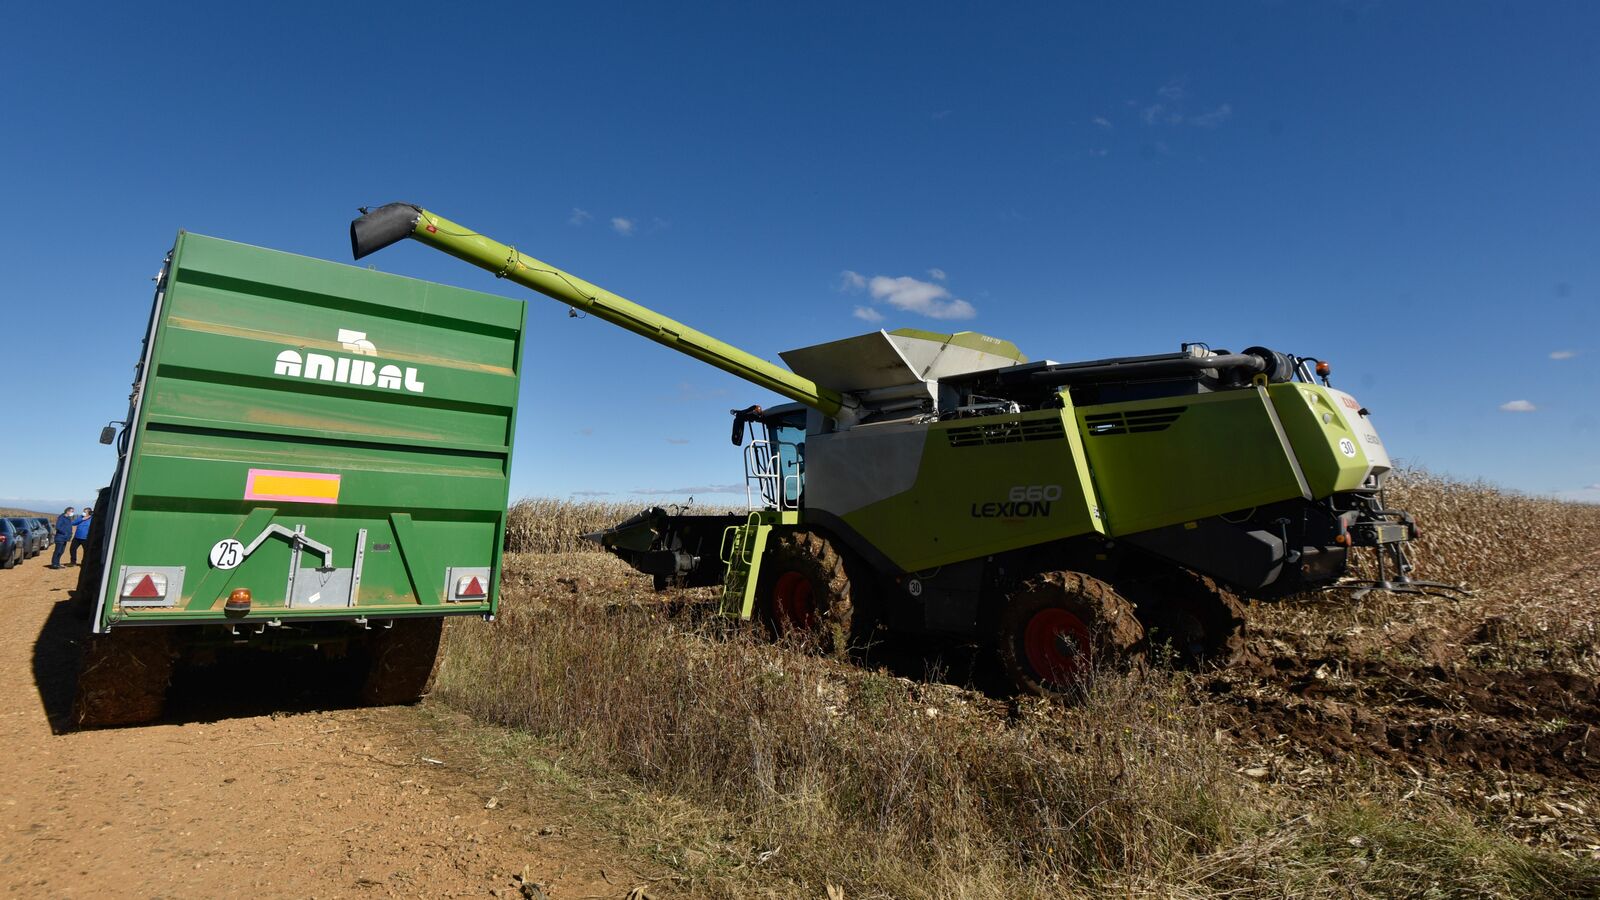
1068,514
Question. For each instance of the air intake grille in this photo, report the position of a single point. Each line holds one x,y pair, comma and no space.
1012,432
1101,424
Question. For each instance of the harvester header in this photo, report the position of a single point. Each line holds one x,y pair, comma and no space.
389,224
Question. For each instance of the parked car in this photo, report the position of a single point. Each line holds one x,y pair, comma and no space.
47,530
27,535
38,537
13,544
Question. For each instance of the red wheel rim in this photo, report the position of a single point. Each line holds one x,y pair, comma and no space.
793,602
1057,645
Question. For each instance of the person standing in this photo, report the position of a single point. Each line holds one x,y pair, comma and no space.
66,524
80,537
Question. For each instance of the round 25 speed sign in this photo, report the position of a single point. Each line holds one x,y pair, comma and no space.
227,554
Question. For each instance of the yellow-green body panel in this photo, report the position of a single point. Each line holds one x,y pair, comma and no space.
993,484
1316,427
1219,453
986,485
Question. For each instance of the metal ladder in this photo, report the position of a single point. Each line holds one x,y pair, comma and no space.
742,546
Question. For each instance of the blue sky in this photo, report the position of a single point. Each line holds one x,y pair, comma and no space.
1410,190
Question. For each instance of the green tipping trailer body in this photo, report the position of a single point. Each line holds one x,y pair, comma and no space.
334,441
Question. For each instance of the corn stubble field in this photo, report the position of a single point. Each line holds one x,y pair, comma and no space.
1394,745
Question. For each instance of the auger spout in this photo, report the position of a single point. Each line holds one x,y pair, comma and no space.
394,222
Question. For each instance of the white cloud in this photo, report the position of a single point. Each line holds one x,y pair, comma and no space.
622,226
1158,113
1170,107
1563,354
579,216
909,294
1592,487
1518,406
1101,121
1214,118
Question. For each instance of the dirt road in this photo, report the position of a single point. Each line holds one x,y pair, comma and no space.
254,785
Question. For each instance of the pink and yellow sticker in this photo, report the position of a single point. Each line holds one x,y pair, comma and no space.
291,487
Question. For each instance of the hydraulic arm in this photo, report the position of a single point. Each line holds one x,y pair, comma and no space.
389,224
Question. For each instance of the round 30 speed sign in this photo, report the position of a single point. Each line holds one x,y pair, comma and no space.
227,554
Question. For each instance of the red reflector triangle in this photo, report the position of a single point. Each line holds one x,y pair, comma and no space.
144,589
474,588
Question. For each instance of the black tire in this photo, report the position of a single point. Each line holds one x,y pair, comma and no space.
404,662
1058,628
93,562
809,593
123,677
1200,622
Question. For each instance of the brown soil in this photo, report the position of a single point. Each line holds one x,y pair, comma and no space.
234,795
1493,689
1524,721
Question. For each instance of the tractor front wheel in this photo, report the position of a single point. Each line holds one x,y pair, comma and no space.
806,593
1058,628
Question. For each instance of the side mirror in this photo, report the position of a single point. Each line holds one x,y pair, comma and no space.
108,434
740,416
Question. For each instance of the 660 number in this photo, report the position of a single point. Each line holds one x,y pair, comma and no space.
1034,493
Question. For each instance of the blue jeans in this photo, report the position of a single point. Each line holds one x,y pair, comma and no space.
55,560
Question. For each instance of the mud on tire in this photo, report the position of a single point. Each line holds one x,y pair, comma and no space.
123,678
810,593
1057,628
1202,622
404,662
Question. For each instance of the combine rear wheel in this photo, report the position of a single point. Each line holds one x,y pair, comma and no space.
1058,628
405,659
123,677
806,595
1202,622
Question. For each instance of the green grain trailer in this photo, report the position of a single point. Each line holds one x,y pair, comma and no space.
316,456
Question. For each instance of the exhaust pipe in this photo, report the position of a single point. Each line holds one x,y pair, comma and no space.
377,229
